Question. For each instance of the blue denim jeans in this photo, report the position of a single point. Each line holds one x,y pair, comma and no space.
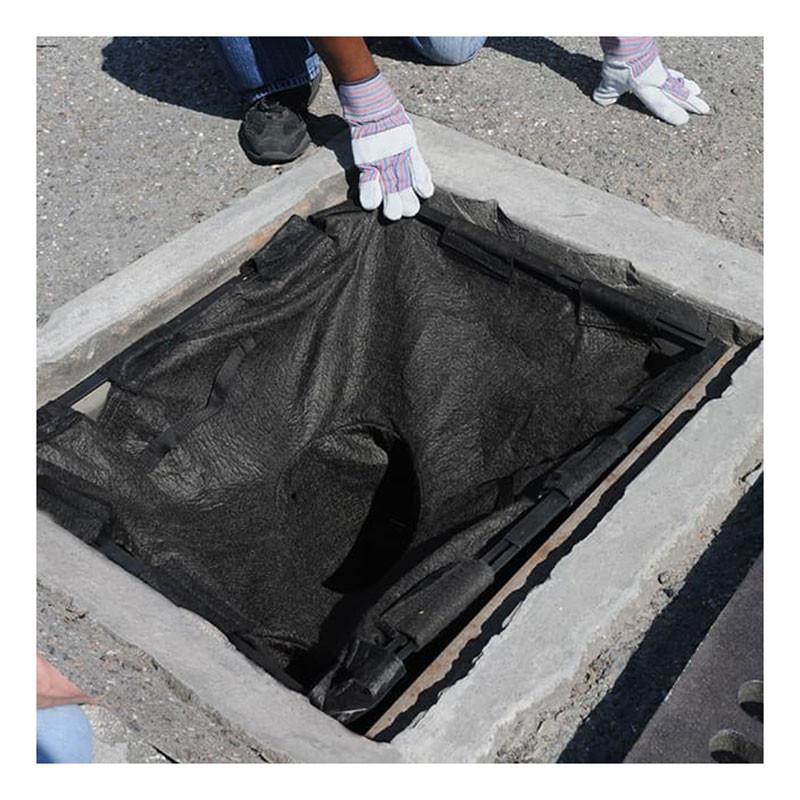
259,65
63,736
448,50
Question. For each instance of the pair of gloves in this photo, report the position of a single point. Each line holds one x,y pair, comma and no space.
385,150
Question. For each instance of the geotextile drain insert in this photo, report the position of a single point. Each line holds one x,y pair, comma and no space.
334,455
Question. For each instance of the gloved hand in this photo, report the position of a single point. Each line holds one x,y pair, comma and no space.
384,148
633,64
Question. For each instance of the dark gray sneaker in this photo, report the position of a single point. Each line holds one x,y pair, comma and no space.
274,129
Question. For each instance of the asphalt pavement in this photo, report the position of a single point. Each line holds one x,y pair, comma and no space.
136,137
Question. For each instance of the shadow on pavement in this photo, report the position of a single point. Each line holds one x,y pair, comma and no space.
616,723
184,71
332,133
577,68
580,69
181,70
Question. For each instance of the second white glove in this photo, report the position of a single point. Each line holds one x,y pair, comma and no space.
633,64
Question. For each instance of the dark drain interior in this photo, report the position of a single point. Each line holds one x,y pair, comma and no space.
334,455
388,528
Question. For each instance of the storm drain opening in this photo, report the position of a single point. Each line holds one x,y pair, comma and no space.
343,451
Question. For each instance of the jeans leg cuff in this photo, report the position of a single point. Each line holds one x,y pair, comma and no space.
300,79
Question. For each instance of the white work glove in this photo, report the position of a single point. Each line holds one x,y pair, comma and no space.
385,150
632,64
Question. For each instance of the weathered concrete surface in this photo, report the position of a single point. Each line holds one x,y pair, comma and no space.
709,271
196,655
592,597
692,600
88,330
143,714
111,741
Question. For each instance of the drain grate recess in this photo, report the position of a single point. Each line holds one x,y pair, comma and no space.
340,455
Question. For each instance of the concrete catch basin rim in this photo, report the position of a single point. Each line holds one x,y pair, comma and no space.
303,733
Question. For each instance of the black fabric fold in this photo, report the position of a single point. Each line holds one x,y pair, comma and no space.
354,420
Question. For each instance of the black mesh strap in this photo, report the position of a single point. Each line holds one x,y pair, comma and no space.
223,381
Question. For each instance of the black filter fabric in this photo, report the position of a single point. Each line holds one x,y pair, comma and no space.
355,420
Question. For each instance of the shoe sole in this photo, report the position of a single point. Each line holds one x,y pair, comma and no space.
274,157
